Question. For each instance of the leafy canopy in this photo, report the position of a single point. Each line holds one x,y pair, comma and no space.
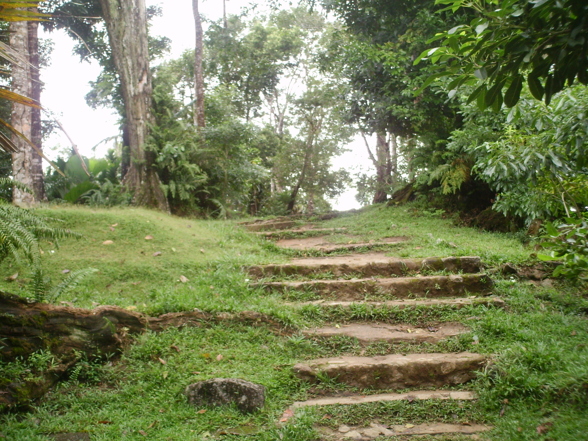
543,43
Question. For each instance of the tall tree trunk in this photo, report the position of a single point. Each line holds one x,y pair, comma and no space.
383,169
36,127
23,161
126,23
393,159
199,120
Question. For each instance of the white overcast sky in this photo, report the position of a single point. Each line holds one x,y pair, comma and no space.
67,83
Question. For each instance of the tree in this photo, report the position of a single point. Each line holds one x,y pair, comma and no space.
26,160
376,58
126,23
508,43
199,117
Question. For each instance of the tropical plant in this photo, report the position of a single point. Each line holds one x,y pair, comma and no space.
567,242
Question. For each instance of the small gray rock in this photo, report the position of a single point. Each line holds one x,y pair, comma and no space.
247,396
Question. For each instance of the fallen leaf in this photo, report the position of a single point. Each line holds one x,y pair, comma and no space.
114,225
135,283
12,278
184,279
206,355
175,348
201,250
201,411
327,417
188,226
161,410
544,428
219,357
65,271
107,242
288,413
157,254
149,237
112,229
105,422
131,308
142,432
573,332
152,424
162,361
409,426
196,373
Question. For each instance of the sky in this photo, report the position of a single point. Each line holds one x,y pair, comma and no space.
92,130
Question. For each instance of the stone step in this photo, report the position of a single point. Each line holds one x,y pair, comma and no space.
398,287
377,430
270,225
394,371
382,398
370,333
409,303
320,243
367,265
307,229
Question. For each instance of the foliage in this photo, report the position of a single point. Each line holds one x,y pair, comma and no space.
568,243
509,43
538,166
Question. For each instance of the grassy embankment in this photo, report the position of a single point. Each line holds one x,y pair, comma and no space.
536,389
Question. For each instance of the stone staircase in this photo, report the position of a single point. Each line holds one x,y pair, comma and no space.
376,280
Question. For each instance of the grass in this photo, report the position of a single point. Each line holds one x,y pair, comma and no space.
536,388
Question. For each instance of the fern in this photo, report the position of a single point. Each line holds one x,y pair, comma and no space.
70,282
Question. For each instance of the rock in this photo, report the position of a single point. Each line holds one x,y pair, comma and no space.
354,434
372,433
247,396
344,428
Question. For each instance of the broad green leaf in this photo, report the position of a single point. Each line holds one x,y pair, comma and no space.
513,92
535,86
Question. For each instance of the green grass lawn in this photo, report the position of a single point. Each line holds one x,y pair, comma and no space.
536,388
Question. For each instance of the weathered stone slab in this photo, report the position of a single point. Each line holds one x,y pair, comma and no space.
304,230
408,430
248,397
371,333
366,265
398,287
395,371
320,243
382,398
409,303
266,226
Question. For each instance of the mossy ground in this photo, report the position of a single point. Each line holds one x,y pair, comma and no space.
536,389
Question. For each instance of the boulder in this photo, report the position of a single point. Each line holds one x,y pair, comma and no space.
246,396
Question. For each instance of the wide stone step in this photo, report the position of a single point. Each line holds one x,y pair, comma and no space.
309,229
409,303
395,371
417,395
271,225
366,265
370,333
377,430
320,243
398,287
